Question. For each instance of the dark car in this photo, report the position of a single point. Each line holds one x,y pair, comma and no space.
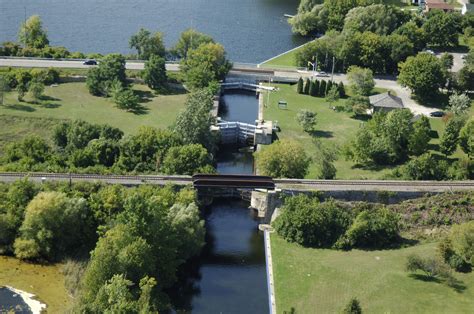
90,62
437,114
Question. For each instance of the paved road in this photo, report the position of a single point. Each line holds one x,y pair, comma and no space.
288,184
246,69
41,63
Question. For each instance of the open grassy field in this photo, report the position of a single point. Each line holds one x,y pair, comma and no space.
333,128
73,101
323,281
46,282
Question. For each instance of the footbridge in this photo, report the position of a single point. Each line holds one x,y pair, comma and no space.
249,86
232,181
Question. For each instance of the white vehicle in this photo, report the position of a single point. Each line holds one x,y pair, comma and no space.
321,74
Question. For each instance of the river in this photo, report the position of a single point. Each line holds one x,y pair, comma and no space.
250,30
230,274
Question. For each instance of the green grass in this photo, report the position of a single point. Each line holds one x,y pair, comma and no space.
73,101
323,281
333,128
287,59
44,281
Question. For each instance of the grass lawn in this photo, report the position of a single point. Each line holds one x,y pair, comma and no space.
323,281
287,59
333,128
73,101
46,282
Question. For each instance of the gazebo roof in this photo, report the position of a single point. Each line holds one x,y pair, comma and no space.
386,100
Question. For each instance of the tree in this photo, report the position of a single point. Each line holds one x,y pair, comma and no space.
414,33
422,74
190,39
440,27
361,80
307,119
119,251
193,124
462,240
325,158
342,90
377,228
377,18
359,105
308,222
299,86
312,89
32,34
111,70
205,64
466,138
147,44
322,88
36,88
432,267
449,140
187,160
154,73
283,159
23,79
127,100
459,103
332,95
115,296
353,307
307,86
420,137
52,223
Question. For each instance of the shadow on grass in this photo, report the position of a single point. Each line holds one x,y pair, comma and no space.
20,107
49,105
140,110
361,117
171,90
319,133
291,311
434,134
434,147
439,100
46,98
374,167
454,283
145,96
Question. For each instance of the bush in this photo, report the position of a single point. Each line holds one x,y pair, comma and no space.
308,222
372,229
432,267
353,307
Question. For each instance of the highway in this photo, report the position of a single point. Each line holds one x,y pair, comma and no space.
284,184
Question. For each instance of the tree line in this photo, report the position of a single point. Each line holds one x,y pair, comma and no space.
186,148
138,237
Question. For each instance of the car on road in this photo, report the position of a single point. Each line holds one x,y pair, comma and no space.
431,52
464,57
90,62
321,74
437,114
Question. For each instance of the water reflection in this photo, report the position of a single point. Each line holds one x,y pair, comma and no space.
230,275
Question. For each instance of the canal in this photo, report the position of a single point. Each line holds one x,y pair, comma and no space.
230,274
250,30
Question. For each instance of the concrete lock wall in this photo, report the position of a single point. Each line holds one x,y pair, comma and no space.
265,202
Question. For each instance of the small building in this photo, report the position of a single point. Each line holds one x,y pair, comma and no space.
437,5
385,102
467,8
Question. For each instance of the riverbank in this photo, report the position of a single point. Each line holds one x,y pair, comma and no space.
307,279
46,282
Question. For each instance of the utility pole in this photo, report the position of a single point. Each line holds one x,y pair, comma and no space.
333,63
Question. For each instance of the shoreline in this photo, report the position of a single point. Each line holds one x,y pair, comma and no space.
35,305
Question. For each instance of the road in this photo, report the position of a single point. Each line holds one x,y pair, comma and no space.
287,184
247,69
70,64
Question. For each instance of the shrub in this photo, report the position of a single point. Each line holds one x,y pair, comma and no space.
353,307
308,222
377,228
307,119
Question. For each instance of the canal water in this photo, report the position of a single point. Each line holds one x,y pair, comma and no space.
230,275
11,302
250,30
